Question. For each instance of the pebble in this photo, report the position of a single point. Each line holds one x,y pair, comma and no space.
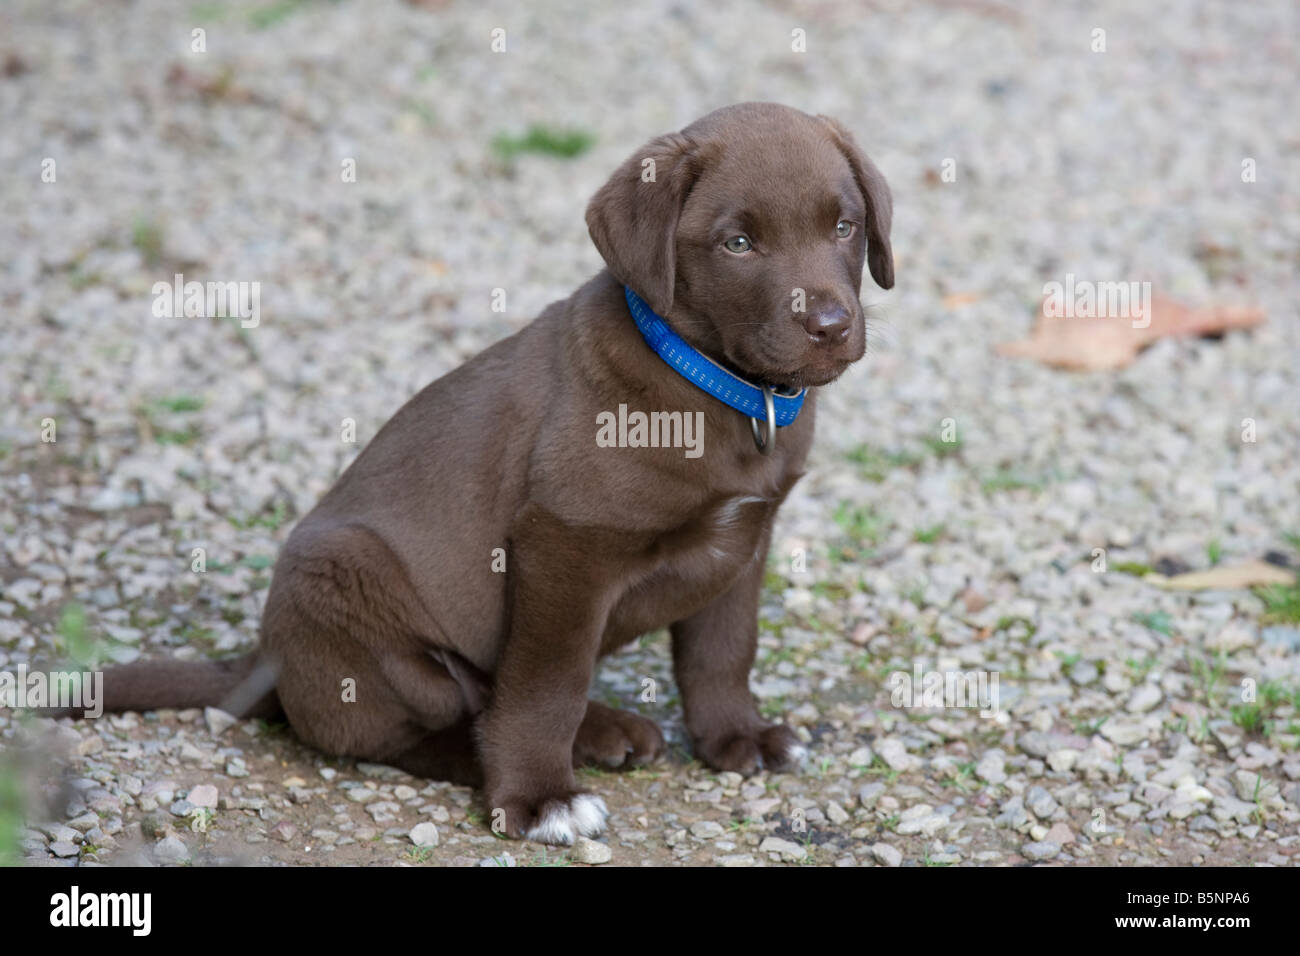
1124,732
170,849
591,851
1254,787
204,795
886,854
1144,699
284,831
1040,851
920,819
424,834
784,849
59,832
992,767
1060,834
218,721
894,753
1040,802
869,794
1063,760
707,830
862,757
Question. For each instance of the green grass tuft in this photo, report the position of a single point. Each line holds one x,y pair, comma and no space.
929,535
861,524
1007,480
1249,717
179,403
1157,621
273,13
147,237
875,465
564,144
12,813
1281,603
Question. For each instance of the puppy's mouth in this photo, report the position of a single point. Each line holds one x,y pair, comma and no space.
822,371
811,376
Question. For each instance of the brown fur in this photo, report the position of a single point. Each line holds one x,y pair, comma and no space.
474,675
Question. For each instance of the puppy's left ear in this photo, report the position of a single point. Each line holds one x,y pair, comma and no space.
880,204
633,217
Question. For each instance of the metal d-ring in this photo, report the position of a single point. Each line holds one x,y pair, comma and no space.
765,446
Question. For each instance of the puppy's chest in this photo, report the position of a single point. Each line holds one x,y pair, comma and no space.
691,564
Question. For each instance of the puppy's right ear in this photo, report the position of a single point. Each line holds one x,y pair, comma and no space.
880,204
633,217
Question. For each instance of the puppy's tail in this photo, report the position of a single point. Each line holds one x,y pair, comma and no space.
242,686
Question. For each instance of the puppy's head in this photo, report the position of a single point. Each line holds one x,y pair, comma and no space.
749,229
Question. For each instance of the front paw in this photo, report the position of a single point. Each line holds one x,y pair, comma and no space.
616,738
771,747
558,819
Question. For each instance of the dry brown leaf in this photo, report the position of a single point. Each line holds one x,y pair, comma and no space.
957,299
974,601
219,86
1096,344
1248,575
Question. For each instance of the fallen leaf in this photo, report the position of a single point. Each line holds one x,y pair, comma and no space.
1250,574
220,86
1097,344
957,299
974,601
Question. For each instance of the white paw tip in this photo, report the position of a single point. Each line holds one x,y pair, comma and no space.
795,754
561,824
589,813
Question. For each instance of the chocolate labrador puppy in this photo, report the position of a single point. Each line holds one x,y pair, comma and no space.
611,469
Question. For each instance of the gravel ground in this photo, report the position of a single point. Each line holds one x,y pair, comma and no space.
1125,735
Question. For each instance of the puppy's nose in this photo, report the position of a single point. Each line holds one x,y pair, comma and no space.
829,325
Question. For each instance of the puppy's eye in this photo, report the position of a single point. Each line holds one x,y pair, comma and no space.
843,229
738,244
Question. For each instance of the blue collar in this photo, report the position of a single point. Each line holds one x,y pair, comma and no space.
706,374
